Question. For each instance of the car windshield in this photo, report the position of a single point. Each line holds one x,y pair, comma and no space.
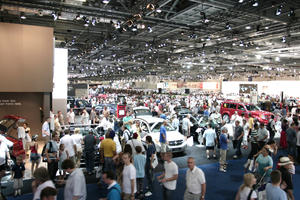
7,122
139,112
251,107
156,128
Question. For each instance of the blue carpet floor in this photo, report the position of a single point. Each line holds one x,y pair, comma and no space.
220,186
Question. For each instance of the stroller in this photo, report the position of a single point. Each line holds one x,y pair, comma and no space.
260,186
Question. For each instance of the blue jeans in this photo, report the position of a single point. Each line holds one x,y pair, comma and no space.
167,194
108,164
90,161
149,175
238,148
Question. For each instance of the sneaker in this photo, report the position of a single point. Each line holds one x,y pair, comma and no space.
222,170
235,156
148,194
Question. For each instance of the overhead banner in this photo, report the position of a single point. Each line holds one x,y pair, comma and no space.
194,85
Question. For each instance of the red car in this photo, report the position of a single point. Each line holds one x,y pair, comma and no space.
8,129
228,108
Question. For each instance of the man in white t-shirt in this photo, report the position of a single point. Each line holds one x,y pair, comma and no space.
4,152
129,178
46,130
70,144
195,182
71,117
169,177
21,134
75,187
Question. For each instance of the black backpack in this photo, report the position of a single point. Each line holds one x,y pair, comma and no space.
44,151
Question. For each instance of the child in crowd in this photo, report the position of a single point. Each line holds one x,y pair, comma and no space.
139,164
63,155
17,174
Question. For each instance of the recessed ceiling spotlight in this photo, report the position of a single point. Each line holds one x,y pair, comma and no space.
292,12
277,59
255,3
54,15
228,27
283,39
248,27
78,17
158,10
241,1
94,22
278,11
150,29
266,27
22,15
105,1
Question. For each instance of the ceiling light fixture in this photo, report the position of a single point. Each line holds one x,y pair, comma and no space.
150,29
228,27
241,1
22,16
255,3
94,22
78,17
150,6
248,27
292,12
277,59
158,10
283,39
54,15
278,11
105,1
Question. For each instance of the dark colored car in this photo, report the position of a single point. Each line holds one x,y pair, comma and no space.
194,128
78,105
182,110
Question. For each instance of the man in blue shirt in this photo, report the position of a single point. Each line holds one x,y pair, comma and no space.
273,190
163,138
223,148
114,189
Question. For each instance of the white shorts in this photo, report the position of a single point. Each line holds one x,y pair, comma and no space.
163,147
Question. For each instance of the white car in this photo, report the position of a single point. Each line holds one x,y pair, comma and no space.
151,126
142,111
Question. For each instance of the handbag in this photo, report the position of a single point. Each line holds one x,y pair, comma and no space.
154,162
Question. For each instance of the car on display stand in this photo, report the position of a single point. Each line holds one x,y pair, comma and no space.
111,107
78,105
151,126
8,129
141,111
228,108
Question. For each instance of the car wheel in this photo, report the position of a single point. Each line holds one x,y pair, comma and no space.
226,118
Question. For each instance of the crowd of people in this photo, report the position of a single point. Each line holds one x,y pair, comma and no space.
125,161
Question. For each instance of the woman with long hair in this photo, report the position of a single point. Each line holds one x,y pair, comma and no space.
35,157
284,127
246,189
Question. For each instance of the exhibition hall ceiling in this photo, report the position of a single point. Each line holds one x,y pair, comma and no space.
173,39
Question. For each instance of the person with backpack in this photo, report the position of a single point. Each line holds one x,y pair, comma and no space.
51,153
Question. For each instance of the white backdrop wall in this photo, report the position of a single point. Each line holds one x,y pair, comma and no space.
289,88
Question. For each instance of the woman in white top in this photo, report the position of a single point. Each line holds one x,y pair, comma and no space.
246,188
78,139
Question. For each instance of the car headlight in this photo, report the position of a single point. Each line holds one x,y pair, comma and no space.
263,116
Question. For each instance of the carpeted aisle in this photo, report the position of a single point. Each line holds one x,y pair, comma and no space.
220,186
